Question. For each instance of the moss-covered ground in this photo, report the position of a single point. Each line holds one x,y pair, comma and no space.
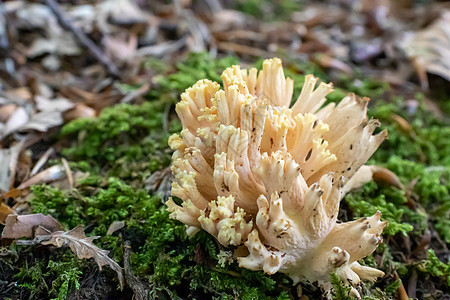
126,144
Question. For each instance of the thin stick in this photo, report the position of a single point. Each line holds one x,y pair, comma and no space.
139,289
82,38
42,161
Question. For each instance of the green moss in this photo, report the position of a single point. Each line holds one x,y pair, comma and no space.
67,276
64,273
434,267
428,142
392,288
341,290
129,141
371,198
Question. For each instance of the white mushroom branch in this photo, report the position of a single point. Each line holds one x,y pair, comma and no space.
252,169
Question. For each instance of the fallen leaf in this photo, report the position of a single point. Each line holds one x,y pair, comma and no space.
121,12
43,121
59,42
17,119
44,104
116,225
385,176
8,161
121,47
6,112
24,226
5,210
34,15
82,246
366,173
79,111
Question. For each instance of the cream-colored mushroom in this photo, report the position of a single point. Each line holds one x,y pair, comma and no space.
251,170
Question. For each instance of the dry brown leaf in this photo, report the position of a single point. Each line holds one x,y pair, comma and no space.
5,210
385,176
79,111
121,47
42,121
366,173
82,246
24,226
116,225
6,112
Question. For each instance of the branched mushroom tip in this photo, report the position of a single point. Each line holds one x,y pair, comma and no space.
251,169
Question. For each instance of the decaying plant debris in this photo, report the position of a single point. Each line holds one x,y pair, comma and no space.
87,105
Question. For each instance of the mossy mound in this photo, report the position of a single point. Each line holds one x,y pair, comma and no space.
127,143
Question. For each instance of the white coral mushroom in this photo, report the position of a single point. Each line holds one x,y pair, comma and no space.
251,169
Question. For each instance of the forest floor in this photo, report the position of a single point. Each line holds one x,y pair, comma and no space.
87,96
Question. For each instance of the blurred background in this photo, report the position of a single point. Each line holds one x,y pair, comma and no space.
79,52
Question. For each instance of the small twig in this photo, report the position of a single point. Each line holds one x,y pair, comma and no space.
139,289
412,285
82,38
402,294
68,172
136,93
42,161
228,46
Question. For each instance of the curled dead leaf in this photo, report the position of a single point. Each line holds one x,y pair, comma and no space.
385,176
116,225
82,246
379,174
25,226
79,111
6,111
5,210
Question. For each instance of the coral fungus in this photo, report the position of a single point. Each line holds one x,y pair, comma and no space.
252,169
